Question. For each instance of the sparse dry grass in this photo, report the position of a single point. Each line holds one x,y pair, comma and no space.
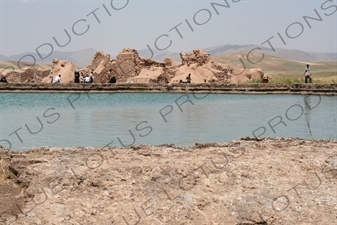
287,80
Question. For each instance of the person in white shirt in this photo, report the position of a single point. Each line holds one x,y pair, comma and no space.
57,79
307,74
87,79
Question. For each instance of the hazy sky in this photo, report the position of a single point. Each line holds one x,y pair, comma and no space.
26,25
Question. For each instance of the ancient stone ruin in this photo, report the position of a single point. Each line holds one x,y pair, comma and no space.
129,67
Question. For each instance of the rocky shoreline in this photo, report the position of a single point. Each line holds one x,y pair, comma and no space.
248,181
324,89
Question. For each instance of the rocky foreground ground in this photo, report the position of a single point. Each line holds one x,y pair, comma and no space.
267,181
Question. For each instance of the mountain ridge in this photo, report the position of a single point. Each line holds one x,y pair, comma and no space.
84,57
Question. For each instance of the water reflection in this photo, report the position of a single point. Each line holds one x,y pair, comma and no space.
127,118
307,109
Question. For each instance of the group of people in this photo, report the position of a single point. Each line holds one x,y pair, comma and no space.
56,80
188,79
3,79
87,79
78,78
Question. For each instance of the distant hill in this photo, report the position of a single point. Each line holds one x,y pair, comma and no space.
213,51
80,58
290,54
221,49
278,66
8,66
160,55
2,57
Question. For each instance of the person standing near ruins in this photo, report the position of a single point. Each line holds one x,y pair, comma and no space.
57,79
112,80
3,79
77,76
307,74
109,74
188,78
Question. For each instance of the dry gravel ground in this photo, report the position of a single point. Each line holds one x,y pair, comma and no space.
267,181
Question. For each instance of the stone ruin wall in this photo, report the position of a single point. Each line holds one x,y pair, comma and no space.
32,75
128,65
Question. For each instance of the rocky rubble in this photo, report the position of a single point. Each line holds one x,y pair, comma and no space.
244,182
32,75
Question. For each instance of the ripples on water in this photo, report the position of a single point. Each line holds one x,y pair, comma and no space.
139,118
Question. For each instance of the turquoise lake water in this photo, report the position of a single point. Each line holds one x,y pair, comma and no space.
29,120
